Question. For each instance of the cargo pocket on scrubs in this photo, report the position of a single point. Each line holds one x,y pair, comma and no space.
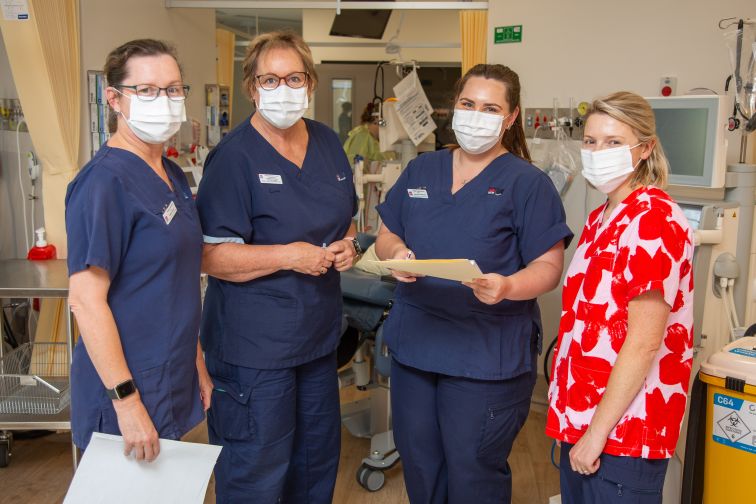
503,422
631,479
229,414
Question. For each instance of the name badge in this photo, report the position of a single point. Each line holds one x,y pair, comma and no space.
270,179
169,212
417,193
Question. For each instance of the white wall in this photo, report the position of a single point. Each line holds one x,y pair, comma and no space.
590,48
106,24
418,26
12,244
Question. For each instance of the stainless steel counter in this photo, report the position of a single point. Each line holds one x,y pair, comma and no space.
22,278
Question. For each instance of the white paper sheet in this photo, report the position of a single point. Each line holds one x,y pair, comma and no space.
460,270
15,10
414,109
179,475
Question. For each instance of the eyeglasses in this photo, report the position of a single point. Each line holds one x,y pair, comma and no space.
147,92
294,80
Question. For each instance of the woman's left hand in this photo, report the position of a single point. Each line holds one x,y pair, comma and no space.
205,382
491,288
345,254
584,456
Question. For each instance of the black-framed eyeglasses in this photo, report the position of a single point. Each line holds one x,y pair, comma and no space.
148,92
294,80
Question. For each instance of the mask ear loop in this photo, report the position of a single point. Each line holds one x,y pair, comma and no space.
641,158
122,94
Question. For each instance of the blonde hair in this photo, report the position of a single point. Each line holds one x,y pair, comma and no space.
633,110
283,39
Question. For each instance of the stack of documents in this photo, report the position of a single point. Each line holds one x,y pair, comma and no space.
179,475
461,270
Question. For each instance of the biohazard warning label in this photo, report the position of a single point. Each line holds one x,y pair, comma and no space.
734,422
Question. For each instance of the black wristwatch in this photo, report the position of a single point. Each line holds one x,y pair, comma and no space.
122,390
357,246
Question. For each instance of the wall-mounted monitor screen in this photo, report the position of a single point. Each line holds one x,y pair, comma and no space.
360,23
691,131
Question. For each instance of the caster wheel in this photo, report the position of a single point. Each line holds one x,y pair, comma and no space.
4,455
370,479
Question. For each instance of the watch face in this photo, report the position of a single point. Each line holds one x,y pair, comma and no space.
125,389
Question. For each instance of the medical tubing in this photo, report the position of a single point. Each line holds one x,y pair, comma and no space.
731,296
33,200
553,448
726,302
21,184
549,350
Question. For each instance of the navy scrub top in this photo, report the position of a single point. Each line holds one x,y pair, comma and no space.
114,220
507,216
251,194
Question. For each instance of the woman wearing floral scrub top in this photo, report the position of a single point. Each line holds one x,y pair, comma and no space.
623,361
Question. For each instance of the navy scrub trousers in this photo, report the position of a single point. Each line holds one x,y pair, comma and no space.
619,480
463,371
270,342
118,218
456,437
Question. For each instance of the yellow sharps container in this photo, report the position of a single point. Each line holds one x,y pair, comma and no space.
730,450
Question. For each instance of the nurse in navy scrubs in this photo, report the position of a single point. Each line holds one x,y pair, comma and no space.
134,253
464,355
276,204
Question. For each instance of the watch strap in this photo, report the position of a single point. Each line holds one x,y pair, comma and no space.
357,246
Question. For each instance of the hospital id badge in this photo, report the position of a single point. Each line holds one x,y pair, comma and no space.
266,178
169,212
417,193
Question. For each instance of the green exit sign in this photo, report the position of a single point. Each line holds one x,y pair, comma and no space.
508,34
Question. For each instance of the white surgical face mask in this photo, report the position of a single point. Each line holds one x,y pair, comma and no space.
282,107
476,132
154,122
607,169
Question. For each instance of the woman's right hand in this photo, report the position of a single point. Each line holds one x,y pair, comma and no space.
404,276
137,429
309,259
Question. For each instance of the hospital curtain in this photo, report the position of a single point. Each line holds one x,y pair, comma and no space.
225,44
473,27
44,56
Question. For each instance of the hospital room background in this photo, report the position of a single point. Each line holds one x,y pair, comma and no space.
566,53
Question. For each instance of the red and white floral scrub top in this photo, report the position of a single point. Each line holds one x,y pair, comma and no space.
646,245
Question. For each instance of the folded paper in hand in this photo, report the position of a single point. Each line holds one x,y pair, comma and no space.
461,270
